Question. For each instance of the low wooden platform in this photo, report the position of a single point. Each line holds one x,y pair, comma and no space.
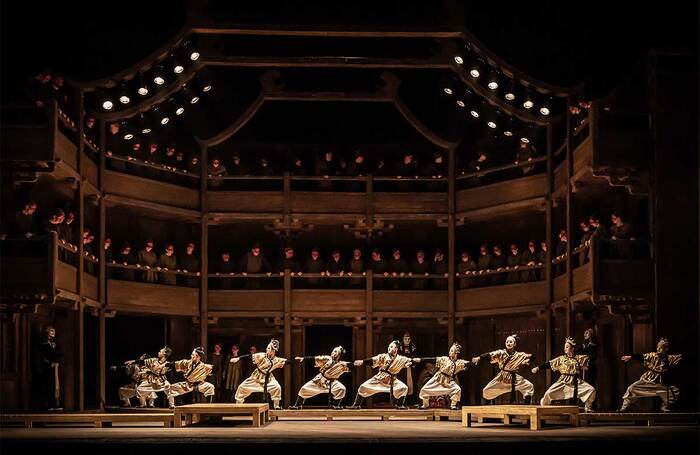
99,420
447,414
193,413
534,413
352,414
650,418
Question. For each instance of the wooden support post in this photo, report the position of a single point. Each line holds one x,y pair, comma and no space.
287,388
369,303
569,226
451,248
102,273
549,224
80,214
204,255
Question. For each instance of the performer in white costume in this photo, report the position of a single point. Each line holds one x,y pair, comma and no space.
195,372
389,364
262,379
508,380
326,381
444,381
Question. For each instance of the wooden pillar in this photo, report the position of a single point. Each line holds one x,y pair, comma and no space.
369,304
549,223
451,247
287,388
80,214
569,226
204,255
102,272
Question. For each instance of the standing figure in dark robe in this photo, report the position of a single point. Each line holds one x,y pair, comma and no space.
398,268
406,170
314,264
475,167
498,262
193,166
586,233
168,262
514,260
288,262
560,252
465,268
358,167
436,169
529,258
336,267
39,88
598,229
419,267
233,374
525,153
326,167
237,167
109,256
439,267
622,236
125,257
589,347
484,265
51,356
216,359
216,170
356,267
148,259
254,262
408,375
542,259
226,267
189,262
380,268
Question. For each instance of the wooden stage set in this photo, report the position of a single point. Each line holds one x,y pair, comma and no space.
477,429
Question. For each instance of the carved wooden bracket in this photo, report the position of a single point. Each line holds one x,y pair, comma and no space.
364,229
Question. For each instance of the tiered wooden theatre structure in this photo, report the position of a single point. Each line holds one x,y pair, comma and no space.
596,162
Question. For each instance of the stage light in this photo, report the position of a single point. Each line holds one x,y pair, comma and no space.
144,124
475,69
545,108
190,51
124,99
107,105
161,115
474,113
528,103
493,80
460,103
510,96
510,92
142,87
158,78
177,66
524,140
459,60
127,131
447,90
180,110
207,88
491,124
194,99
508,133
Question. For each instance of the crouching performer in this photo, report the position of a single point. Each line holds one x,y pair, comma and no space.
444,381
389,364
331,367
195,372
652,383
137,373
155,379
508,380
569,386
262,379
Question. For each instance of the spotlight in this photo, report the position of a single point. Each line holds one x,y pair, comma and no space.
493,80
460,103
107,105
524,140
508,128
459,60
177,66
194,99
207,88
544,109
528,103
508,133
190,51
180,110
474,113
144,124
142,87
161,115
475,69
127,130
158,78
491,124
447,90
510,94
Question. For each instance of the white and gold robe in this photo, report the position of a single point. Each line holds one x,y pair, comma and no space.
650,384
195,376
389,367
444,381
570,369
509,365
256,382
154,379
326,379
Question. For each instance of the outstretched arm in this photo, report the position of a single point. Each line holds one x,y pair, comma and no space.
627,358
236,359
544,366
359,363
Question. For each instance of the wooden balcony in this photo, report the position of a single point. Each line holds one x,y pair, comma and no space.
149,298
502,299
502,198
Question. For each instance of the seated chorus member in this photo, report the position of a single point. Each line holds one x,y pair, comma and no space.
195,372
389,364
508,380
330,368
444,381
155,379
651,384
569,385
262,379
137,373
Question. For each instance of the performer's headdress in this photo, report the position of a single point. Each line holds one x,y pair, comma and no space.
273,344
200,352
394,343
663,341
340,349
167,351
570,341
514,336
144,356
455,348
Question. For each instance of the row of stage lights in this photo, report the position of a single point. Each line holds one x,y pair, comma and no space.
493,81
491,120
158,76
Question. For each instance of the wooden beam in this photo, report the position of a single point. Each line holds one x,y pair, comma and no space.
549,223
80,195
313,61
287,389
323,31
570,320
102,277
204,253
369,304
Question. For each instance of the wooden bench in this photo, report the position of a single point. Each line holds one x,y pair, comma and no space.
353,414
193,413
536,414
449,414
650,418
99,420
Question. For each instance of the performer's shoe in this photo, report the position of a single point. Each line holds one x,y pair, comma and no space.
337,404
528,399
299,404
401,405
454,407
126,404
622,410
358,402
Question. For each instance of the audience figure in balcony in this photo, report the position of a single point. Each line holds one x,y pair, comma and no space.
148,259
439,267
514,261
23,223
58,92
542,259
484,264
194,166
189,262
254,262
419,266
314,264
622,236
109,256
265,167
336,267
398,268
529,257
152,156
560,252
406,169
237,167
475,166
288,262
586,233
125,257
526,153
436,169
326,166
216,170
168,262
89,129
39,89
89,250
226,267
598,230
358,167
465,269
380,270
498,262
356,267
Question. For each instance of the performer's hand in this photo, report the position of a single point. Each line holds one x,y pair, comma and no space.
626,358
416,360
235,360
475,360
357,363
300,359
128,362
535,370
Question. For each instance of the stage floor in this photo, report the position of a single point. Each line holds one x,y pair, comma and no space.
404,436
